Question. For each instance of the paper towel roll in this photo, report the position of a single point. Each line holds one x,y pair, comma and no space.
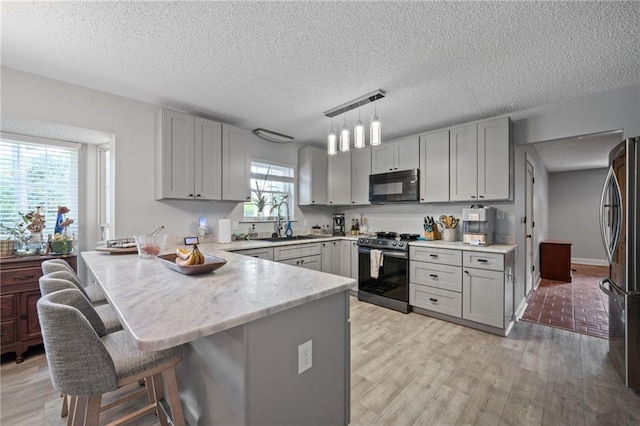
224,230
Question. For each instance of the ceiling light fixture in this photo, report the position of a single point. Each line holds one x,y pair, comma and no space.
332,142
272,136
359,134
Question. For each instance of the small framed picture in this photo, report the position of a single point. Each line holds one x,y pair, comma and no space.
189,241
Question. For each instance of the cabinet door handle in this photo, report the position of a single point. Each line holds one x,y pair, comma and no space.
198,195
190,195
313,201
431,299
466,272
298,263
480,196
25,277
433,275
302,261
473,196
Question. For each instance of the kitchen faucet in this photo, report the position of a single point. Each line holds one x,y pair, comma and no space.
278,223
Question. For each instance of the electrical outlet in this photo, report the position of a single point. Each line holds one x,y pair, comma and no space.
305,357
235,224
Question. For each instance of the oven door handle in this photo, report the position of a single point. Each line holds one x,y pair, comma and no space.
399,255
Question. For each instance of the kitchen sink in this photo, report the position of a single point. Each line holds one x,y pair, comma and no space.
294,238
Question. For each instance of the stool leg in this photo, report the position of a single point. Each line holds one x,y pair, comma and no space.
158,395
93,410
173,396
80,410
65,406
72,409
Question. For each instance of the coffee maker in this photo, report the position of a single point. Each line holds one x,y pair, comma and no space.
478,224
338,224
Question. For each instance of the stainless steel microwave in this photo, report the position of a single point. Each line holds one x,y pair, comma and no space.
394,187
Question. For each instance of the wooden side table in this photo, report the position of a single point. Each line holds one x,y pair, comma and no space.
555,260
19,294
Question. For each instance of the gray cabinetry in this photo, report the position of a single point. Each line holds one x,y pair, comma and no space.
200,159
236,164
327,257
360,171
434,167
483,296
339,179
480,163
393,156
303,255
262,253
312,176
354,260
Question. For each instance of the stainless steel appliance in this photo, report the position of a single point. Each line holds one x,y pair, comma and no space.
338,224
391,286
402,186
619,230
478,224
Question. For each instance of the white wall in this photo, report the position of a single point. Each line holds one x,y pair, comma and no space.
28,96
574,205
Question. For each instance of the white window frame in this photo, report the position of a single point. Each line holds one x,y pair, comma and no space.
259,177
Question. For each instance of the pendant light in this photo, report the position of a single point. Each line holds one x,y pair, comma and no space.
375,130
358,134
344,137
332,145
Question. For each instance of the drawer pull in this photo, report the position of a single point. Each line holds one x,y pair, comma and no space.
466,272
433,275
482,260
25,277
435,256
431,299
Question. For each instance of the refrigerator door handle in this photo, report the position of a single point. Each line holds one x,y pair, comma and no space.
608,291
603,219
618,211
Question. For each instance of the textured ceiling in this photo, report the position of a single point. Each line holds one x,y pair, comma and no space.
280,65
587,151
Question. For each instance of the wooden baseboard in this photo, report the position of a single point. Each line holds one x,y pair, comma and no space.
585,261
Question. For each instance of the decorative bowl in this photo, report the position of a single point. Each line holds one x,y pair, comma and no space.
150,246
211,263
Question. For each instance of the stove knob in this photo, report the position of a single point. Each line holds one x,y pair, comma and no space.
400,244
395,243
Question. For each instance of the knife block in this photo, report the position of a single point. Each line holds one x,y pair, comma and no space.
433,235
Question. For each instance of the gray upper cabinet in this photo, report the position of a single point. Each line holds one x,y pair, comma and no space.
434,167
463,163
312,176
188,157
393,156
339,179
208,160
494,159
236,165
360,171
480,163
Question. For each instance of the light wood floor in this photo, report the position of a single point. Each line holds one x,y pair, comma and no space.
412,369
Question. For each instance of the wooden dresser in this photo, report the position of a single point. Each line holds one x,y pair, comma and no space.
555,260
19,293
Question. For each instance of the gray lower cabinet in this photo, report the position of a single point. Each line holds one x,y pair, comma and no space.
262,253
483,296
308,262
327,257
303,255
471,287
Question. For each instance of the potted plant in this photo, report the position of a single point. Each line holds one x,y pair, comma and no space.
16,236
260,197
62,242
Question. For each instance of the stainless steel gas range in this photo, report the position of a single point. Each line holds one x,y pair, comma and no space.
383,270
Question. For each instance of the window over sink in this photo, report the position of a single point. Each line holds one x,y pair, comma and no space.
270,185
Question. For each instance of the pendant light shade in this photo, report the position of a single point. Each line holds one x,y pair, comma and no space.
344,139
332,143
376,131
358,134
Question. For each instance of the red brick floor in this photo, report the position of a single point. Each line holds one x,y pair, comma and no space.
579,306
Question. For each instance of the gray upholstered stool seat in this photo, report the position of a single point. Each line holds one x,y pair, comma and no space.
61,269
51,283
85,363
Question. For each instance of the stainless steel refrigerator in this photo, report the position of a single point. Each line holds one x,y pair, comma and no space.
619,229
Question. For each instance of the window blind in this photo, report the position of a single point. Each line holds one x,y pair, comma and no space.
38,174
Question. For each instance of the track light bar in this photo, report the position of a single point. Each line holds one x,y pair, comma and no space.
356,103
272,136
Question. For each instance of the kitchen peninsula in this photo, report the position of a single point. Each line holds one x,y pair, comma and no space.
242,326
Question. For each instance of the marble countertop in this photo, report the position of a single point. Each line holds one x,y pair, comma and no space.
163,308
459,245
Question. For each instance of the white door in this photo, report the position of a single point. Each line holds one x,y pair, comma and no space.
529,196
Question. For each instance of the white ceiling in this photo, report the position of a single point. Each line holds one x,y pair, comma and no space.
280,65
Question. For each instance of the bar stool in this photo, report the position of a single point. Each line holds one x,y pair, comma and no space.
92,292
57,281
85,364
